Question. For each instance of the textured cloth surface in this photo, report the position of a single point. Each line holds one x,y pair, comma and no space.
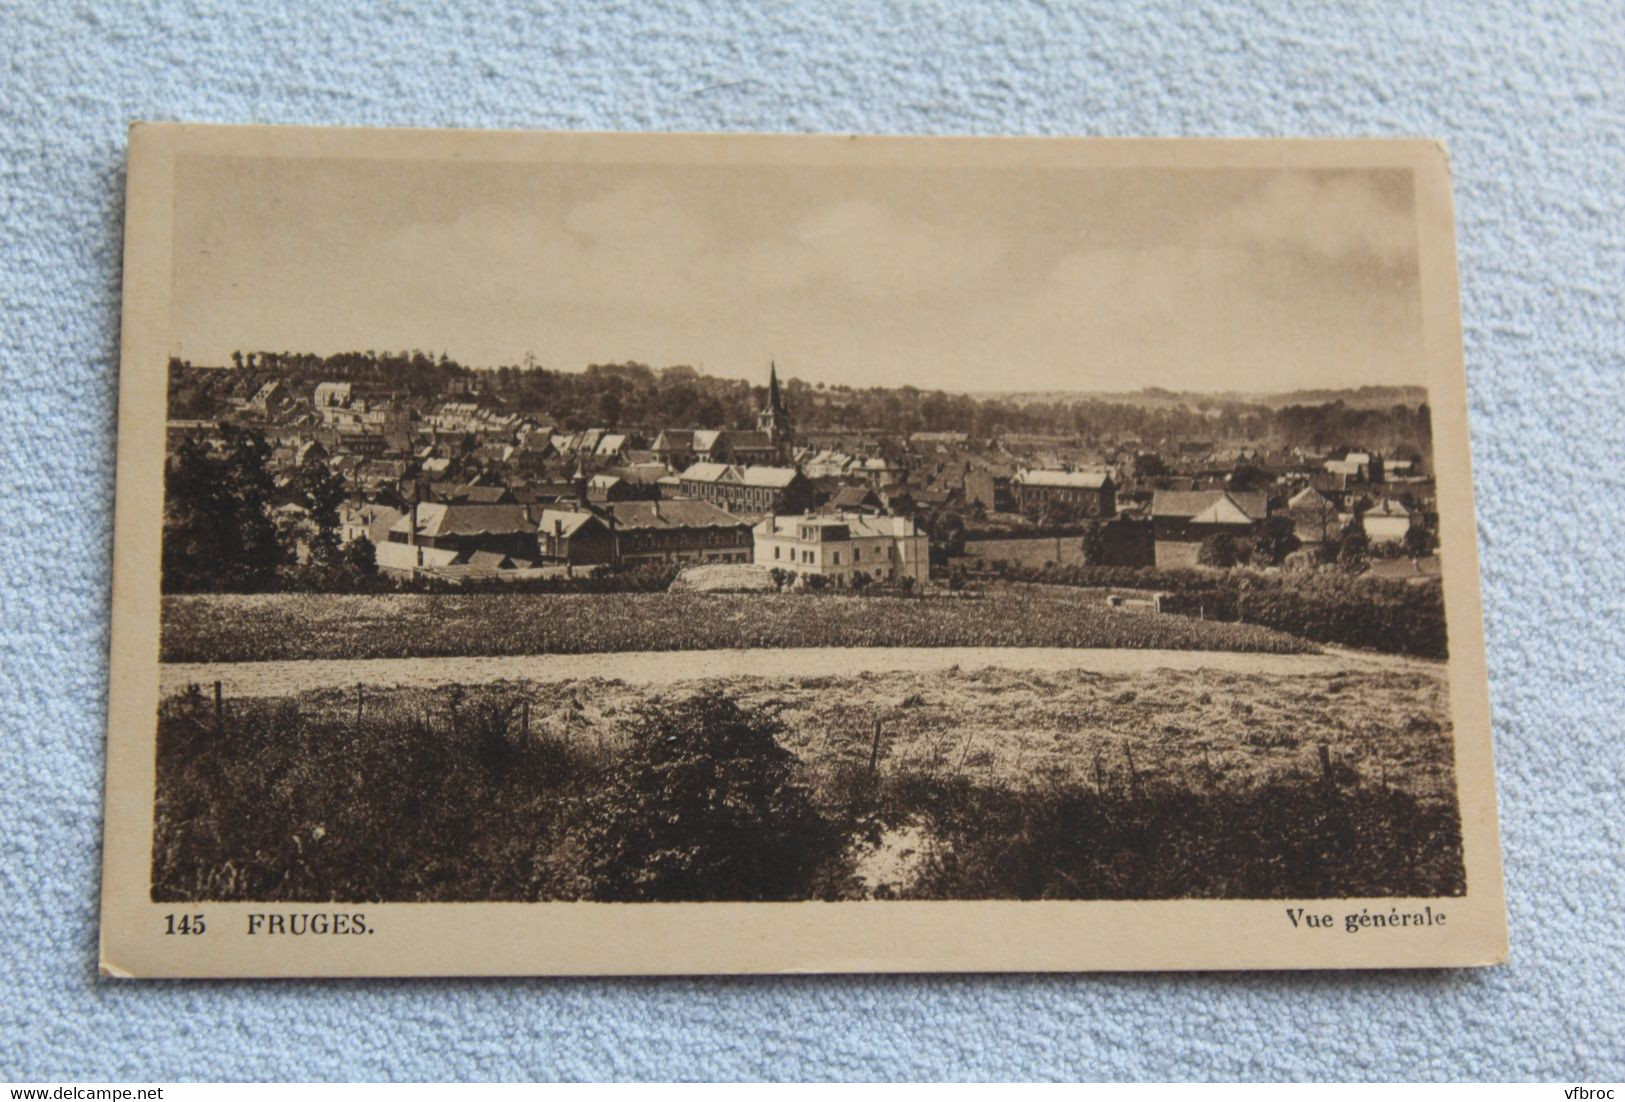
1529,98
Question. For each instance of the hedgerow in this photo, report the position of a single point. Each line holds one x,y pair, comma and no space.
1381,614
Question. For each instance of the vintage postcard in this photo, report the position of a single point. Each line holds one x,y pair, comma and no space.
586,553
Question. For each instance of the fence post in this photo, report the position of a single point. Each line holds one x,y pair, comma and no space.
1326,764
219,707
360,705
874,751
524,720
1133,774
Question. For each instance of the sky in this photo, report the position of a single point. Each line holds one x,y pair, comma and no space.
971,279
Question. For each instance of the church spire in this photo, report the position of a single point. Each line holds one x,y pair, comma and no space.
775,401
774,420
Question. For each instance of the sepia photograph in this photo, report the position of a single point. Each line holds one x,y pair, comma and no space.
704,520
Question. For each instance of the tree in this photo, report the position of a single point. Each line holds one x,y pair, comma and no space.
218,529
361,557
322,492
1057,514
1218,550
1418,542
1355,548
1247,477
1094,543
1275,539
1149,465
949,529
860,580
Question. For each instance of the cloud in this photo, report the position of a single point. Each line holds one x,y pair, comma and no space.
862,246
872,251
1339,217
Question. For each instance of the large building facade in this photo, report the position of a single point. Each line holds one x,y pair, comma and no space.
1085,493
678,532
637,533
748,491
841,546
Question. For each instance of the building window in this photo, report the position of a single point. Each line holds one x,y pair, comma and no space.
835,557
857,554
775,551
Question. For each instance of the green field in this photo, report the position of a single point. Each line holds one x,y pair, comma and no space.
265,627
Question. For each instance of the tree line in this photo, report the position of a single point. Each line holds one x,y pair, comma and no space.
637,396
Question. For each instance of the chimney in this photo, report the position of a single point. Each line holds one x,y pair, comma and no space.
580,481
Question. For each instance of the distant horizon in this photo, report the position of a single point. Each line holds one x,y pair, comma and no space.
785,377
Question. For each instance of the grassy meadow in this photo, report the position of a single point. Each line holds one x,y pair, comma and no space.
953,785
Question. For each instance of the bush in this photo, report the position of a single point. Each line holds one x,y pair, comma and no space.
290,799
706,807
1380,614
1284,840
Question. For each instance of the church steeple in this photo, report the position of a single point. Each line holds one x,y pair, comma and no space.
774,419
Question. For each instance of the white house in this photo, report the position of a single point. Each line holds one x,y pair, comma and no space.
840,545
1386,521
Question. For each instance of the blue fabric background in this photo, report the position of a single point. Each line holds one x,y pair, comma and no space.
1529,98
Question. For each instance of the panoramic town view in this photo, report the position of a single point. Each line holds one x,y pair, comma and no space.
645,633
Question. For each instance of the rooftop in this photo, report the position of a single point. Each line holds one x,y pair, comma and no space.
1084,480
1252,505
681,513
